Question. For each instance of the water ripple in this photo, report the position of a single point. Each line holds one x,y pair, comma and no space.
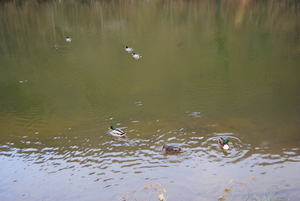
137,155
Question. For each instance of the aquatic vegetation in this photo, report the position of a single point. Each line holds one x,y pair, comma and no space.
156,192
251,194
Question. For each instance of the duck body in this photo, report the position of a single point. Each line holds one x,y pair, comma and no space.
68,39
223,143
136,55
116,132
171,149
129,49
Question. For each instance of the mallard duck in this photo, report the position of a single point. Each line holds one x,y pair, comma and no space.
129,49
136,55
115,132
55,46
171,149
68,39
223,143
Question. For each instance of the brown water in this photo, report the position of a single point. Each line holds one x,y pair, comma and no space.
208,69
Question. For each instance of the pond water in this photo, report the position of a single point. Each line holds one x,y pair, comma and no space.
208,69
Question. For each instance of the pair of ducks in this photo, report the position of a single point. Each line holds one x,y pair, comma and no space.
68,39
223,143
134,54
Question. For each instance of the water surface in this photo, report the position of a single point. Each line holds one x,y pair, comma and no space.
208,69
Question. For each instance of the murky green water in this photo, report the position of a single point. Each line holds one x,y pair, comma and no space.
208,69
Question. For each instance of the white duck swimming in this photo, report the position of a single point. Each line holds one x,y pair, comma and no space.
129,49
136,55
115,132
68,39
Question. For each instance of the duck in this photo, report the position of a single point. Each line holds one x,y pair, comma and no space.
136,55
129,49
223,143
55,46
116,132
171,149
68,39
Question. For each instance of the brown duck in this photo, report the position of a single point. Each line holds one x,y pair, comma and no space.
171,149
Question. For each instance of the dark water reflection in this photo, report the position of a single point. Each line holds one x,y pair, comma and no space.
209,69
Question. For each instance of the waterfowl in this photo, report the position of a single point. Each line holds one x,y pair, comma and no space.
55,46
129,49
223,143
171,149
68,39
136,55
115,132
